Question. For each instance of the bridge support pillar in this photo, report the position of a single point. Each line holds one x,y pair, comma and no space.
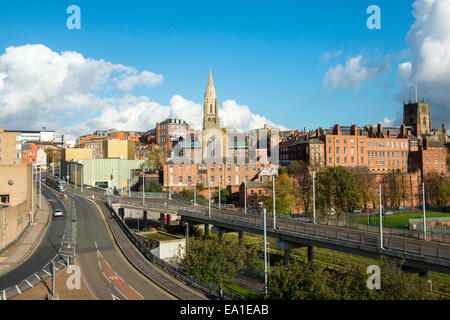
287,256
220,234
310,255
241,236
206,230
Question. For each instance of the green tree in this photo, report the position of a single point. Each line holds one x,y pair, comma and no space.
224,196
336,188
214,261
366,184
155,160
438,190
286,196
300,172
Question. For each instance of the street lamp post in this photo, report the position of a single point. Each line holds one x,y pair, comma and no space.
314,195
424,214
274,210
219,195
265,251
209,197
245,197
381,218
195,189
143,188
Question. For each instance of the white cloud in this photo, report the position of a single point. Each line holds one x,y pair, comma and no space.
387,122
355,71
65,91
240,117
330,54
429,38
145,78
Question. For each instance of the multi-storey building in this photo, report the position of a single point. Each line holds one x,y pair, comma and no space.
96,144
168,133
10,147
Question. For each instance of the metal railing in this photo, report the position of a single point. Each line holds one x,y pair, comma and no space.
178,273
349,238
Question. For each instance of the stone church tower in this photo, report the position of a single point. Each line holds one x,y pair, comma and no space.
213,137
211,107
417,115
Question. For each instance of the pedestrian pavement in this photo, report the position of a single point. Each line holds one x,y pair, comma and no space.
31,239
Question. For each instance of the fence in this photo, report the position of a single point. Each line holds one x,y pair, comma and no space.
206,288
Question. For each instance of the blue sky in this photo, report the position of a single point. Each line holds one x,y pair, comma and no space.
263,54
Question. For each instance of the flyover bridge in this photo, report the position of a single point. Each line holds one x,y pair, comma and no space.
418,254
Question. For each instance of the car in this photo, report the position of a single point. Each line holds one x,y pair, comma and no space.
357,211
388,213
401,208
368,210
58,213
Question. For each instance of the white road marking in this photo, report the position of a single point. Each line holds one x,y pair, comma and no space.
28,283
38,277
121,293
106,277
136,291
4,295
18,289
96,244
114,297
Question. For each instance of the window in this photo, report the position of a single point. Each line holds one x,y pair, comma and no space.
362,159
180,179
228,167
337,150
4,198
259,192
252,192
212,168
362,150
345,150
345,141
237,168
237,180
254,167
229,180
345,160
220,168
351,141
211,182
246,168
337,160
352,151
331,160
329,150
189,179
220,180
337,140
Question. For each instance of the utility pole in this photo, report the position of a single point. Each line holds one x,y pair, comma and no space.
265,252
314,196
219,196
40,188
424,214
274,211
32,201
81,178
209,197
245,197
195,189
143,188
381,219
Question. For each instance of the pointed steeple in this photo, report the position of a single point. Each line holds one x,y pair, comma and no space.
210,80
211,107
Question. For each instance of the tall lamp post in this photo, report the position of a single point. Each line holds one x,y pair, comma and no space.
274,210
314,196
143,187
424,214
265,251
381,218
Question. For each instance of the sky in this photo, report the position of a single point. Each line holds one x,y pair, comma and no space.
287,64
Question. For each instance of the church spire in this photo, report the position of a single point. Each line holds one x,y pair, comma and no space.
211,107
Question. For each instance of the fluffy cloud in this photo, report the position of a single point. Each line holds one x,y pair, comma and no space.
145,78
330,54
65,91
429,39
355,71
239,117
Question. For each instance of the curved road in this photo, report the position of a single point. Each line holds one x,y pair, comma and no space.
47,249
105,272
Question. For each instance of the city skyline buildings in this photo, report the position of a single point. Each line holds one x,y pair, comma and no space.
290,65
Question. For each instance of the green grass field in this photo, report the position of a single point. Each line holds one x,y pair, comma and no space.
244,293
401,221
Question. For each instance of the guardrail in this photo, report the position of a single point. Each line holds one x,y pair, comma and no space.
352,238
179,274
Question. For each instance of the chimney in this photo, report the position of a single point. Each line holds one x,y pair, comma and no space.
371,132
409,131
444,129
337,129
388,133
380,130
403,130
304,129
354,130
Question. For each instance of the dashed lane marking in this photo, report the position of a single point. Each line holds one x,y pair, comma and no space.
28,283
18,290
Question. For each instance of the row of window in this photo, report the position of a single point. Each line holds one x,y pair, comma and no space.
202,178
387,153
220,167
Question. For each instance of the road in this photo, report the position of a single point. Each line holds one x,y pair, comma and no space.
46,250
105,271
